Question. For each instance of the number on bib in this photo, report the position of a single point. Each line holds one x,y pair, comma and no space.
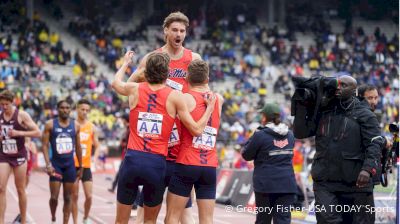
174,137
10,146
64,144
149,125
206,140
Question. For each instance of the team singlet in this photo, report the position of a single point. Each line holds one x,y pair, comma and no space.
86,133
200,150
149,122
15,146
62,140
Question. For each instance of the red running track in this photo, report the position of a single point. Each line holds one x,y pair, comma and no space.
103,207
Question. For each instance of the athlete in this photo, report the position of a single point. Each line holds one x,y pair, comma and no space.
154,107
175,25
197,159
63,135
89,143
15,126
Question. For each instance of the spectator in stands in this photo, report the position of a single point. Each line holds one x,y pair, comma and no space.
271,148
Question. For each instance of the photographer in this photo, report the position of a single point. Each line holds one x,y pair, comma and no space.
369,93
348,144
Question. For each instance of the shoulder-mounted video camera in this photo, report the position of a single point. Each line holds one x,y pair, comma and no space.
390,156
311,96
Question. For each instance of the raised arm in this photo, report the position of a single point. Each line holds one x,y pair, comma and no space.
138,74
195,128
121,87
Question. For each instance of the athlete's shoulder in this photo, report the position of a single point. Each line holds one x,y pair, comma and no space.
49,124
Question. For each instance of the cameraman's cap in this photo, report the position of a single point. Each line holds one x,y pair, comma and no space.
270,109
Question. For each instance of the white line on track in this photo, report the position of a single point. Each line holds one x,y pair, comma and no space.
14,195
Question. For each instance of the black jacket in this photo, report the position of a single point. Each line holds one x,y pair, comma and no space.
347,141
272,154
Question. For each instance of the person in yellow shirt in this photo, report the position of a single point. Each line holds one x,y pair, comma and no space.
89,142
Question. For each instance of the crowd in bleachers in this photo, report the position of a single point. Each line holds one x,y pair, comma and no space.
25,50
235,48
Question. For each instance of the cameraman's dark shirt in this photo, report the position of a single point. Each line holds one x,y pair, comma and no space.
347,141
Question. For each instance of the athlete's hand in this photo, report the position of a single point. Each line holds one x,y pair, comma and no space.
14,133
128,58
79,174
50,170
210,100
363,179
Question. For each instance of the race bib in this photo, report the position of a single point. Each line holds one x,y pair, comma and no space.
84,149
174,137
64,144
9,146
206,140
174,85
149,125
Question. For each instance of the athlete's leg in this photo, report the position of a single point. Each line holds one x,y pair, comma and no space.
175,206
187,216
206,210
20,178
123,213
5,170
74,206
87,188
140,211
53,202
67,190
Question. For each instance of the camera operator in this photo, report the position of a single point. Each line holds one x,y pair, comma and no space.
369,93
348,150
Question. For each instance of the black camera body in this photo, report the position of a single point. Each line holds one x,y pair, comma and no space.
389,156
311,96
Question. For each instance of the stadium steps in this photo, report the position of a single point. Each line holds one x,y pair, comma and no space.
73,44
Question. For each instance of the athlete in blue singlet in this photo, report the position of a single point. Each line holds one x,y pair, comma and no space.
62,133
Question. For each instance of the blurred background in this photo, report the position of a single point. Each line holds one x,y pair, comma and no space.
71,49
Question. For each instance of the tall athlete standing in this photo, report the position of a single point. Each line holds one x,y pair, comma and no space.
63,135
154,107
197,159
89,142
15,126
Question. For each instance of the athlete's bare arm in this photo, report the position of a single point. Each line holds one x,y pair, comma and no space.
138,74
45,146
27,122
195,128
220,101
95,143
78,149
121,87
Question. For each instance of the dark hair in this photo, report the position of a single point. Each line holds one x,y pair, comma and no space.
7,95
62,101
84,101
176,17
198,72
157,68
365,88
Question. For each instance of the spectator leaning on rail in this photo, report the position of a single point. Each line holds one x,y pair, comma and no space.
271,148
